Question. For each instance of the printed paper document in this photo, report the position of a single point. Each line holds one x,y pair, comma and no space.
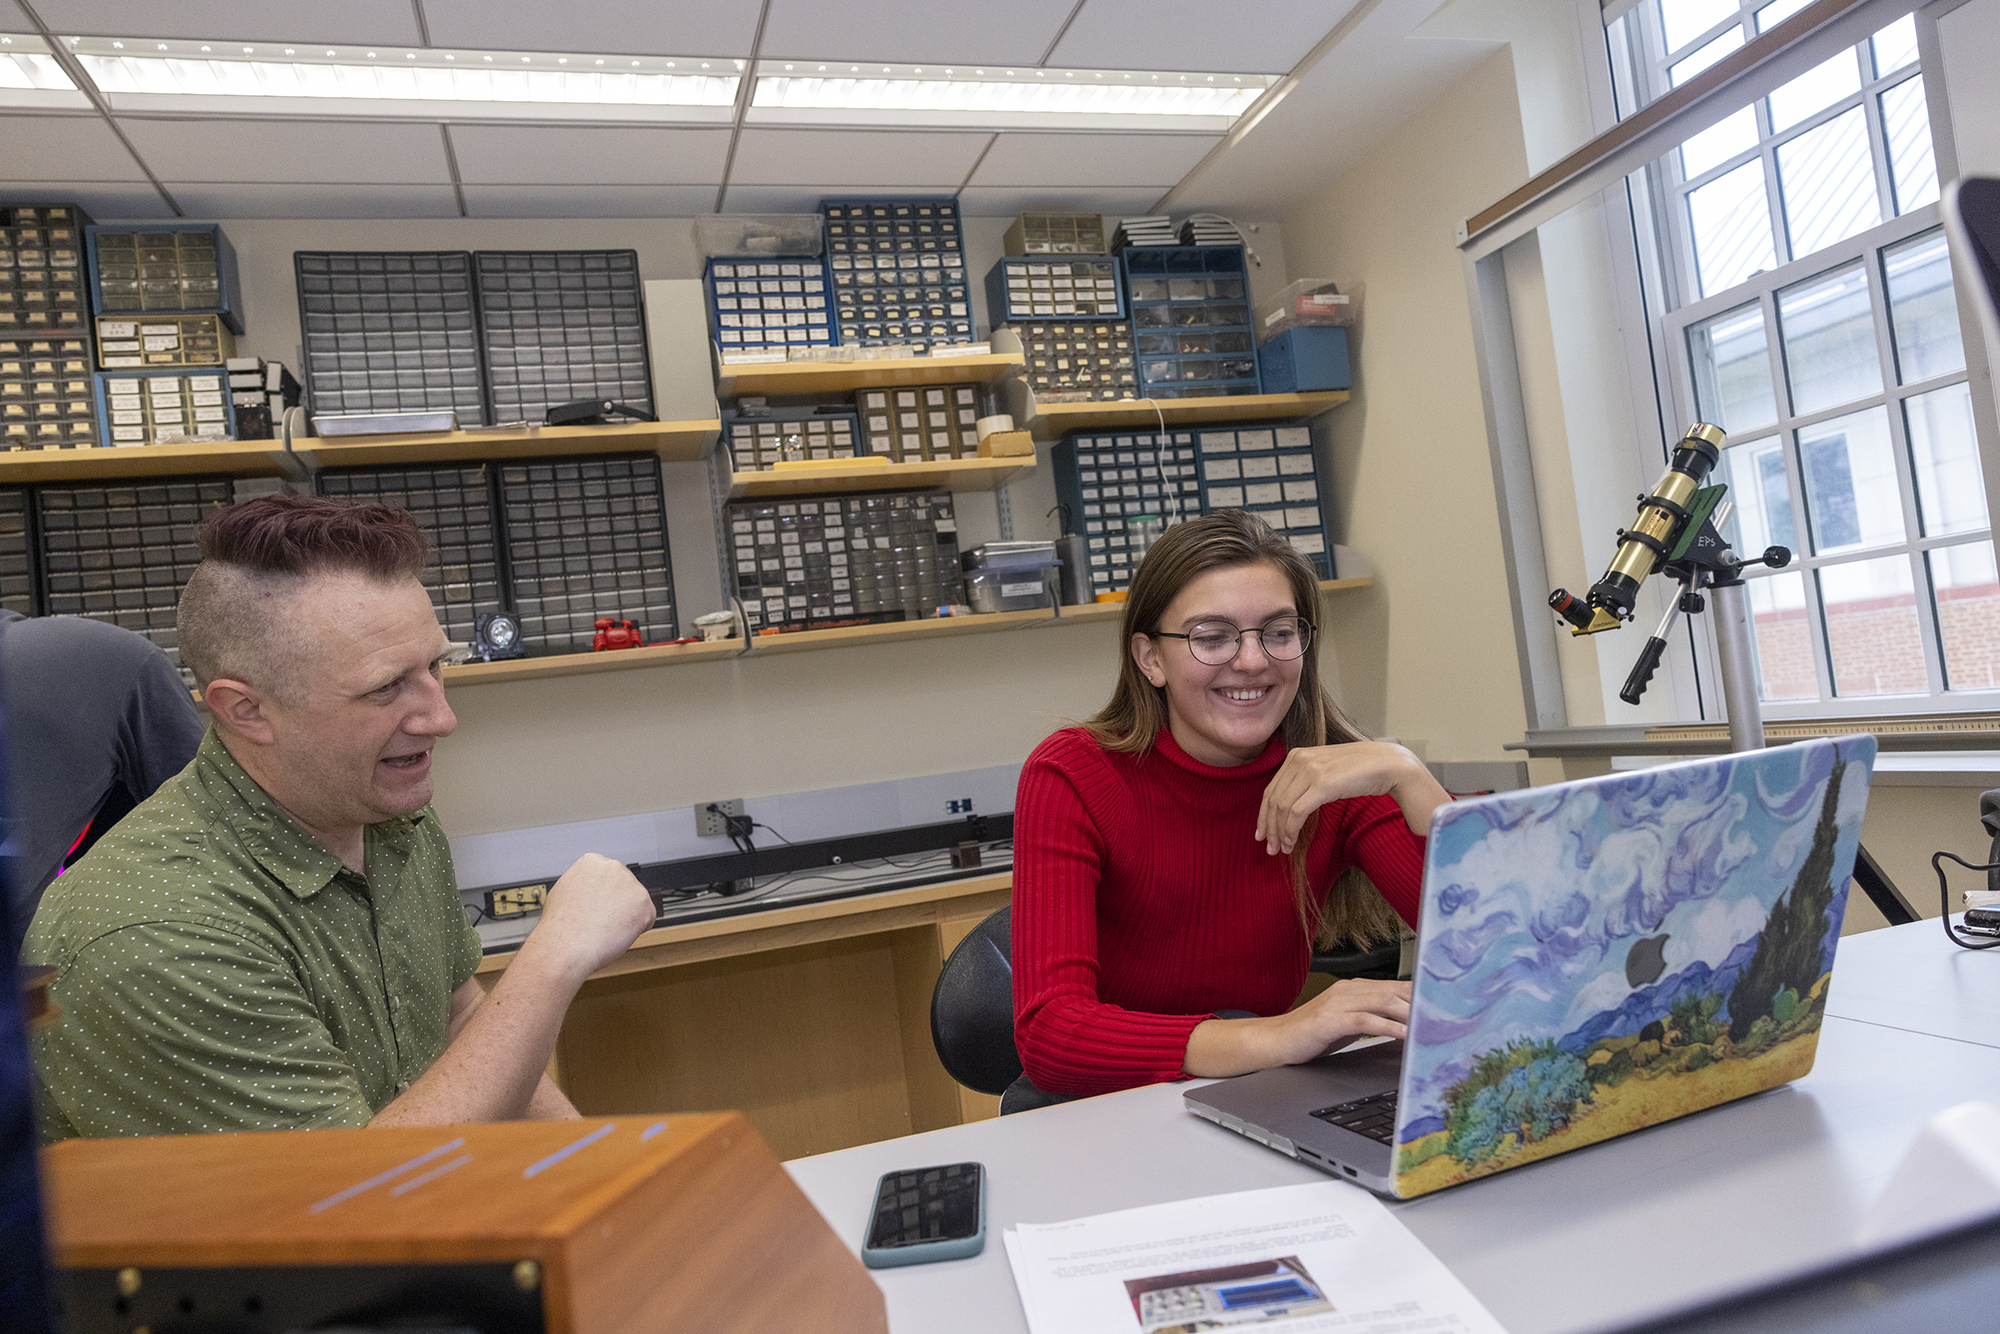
1323,1256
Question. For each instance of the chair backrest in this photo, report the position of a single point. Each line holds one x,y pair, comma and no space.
1376,961
1972,222
972,1009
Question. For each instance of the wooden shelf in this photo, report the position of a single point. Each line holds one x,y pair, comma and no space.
1053,421
675,442
773,379
235,457
803,641
586,664
944,474
1107,611
936,627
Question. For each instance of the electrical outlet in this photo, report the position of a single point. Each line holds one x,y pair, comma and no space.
516,902
709,817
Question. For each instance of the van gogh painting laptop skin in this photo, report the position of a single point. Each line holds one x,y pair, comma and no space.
1605,955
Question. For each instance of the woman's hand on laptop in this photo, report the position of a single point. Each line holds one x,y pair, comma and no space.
1347,1010
1311,776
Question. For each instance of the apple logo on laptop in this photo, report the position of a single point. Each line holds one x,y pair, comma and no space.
1646,960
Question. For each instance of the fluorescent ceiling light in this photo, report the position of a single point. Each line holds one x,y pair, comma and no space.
1109,93
26,63
809,92
148,74
217,77
31,77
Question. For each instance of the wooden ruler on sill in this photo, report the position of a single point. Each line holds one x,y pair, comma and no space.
1957,731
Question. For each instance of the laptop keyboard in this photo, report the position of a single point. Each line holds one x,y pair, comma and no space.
1373,1116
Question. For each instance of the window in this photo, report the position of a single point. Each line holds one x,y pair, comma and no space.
1801,293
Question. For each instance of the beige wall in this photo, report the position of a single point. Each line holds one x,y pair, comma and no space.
624,743
1428,653
1904,826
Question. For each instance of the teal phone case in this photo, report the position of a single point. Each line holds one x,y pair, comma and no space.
926,1252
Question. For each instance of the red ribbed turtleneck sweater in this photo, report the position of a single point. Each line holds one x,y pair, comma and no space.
1143,903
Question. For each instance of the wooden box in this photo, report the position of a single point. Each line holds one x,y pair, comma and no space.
1007,444
600,1226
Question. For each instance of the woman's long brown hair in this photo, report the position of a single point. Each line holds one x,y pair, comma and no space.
1131,722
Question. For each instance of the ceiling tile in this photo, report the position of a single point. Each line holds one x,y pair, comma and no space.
206,199
1092,159
1006,201
48,148
1194,35
1377,78
805,198
299,150
103,201
392,21
913,31
927,162
12,19
635,27
589,155
598,201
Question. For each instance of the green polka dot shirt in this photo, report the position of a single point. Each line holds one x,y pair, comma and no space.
220,969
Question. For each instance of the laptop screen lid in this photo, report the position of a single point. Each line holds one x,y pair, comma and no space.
1607,954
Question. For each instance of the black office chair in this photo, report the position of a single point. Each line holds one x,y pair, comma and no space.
1346,958
1375,961
972,1009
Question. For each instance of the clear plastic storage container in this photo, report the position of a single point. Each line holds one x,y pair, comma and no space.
725,236
1011,589
1309,301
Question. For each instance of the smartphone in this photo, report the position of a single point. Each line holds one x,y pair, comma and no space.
923,1214
1983,921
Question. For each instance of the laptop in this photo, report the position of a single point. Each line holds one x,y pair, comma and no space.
1594,958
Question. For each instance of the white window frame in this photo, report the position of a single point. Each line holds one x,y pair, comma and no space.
1865,249
1600,170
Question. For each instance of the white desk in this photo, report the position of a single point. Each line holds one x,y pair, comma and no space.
1911,977
1721,1202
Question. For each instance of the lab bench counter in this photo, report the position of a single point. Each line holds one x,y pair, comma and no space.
814,1019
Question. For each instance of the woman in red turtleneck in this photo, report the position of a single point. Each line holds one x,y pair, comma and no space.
1173,855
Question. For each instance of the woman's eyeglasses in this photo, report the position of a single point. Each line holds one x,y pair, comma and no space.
1215,643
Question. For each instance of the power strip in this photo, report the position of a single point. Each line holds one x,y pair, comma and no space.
518,901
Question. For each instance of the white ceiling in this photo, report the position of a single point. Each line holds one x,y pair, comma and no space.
624,27
920,163
914,31
251,20
588,155
281,167
1247,37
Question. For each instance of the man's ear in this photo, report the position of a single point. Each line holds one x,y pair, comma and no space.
1146,652
239,710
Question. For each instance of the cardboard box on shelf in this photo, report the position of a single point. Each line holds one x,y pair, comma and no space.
1007,444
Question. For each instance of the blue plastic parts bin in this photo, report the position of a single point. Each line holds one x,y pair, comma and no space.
1191,318
1307,358
775,301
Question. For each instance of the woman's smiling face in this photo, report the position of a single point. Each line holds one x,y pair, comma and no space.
1224,715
